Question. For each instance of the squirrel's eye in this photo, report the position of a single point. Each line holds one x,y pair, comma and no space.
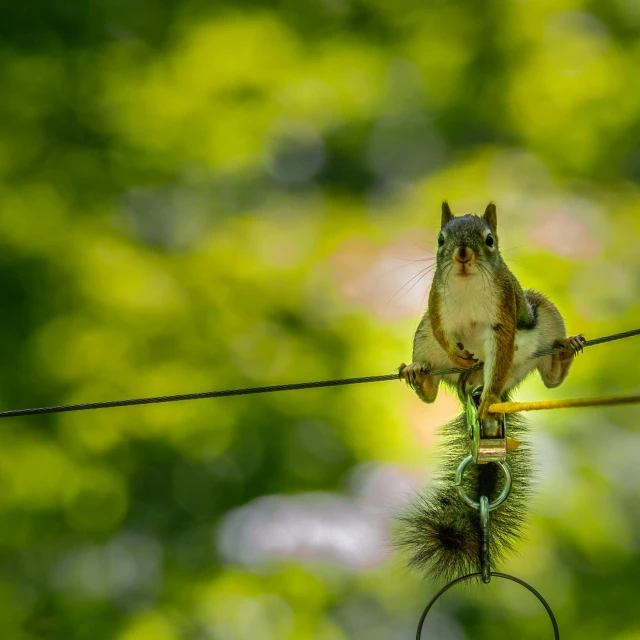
440,240
489,240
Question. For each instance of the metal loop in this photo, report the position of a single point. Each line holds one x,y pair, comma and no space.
556,632
508,483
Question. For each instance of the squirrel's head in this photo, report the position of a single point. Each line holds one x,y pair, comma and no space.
468,243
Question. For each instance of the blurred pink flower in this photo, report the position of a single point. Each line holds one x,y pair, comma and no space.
390,281
565,234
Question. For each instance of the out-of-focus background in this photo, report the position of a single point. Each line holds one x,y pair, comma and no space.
201,196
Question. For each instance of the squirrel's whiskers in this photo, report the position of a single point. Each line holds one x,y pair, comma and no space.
415,279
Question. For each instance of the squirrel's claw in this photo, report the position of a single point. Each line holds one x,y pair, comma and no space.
411,373
573,345
577,343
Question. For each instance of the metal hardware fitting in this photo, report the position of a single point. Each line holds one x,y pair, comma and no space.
489,436
471,576
508,483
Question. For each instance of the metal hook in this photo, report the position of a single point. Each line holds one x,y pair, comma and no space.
453,583
485,553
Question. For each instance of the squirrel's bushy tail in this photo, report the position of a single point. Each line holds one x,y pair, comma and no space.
440,533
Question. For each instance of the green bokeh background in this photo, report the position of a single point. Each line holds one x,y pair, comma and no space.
199,196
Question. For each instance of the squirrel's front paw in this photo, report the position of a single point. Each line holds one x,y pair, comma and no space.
463,359
573,345
485,403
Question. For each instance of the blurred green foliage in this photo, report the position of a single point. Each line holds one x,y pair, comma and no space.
199,196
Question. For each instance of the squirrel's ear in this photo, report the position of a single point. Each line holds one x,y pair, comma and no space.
446,213
491,216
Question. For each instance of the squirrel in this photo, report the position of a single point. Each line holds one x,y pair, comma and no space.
478,313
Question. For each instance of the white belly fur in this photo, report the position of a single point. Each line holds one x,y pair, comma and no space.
469,313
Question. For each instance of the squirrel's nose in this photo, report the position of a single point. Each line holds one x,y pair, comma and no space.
462,254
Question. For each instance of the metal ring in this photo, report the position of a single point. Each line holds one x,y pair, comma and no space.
556,632
508,483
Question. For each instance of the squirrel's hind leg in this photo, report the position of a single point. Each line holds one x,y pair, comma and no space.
427,355
551,330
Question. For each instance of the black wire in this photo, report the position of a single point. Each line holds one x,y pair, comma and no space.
611,338
591,343
15,413
471,576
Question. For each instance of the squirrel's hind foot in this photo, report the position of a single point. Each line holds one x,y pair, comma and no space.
411,373
416,376
573,345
